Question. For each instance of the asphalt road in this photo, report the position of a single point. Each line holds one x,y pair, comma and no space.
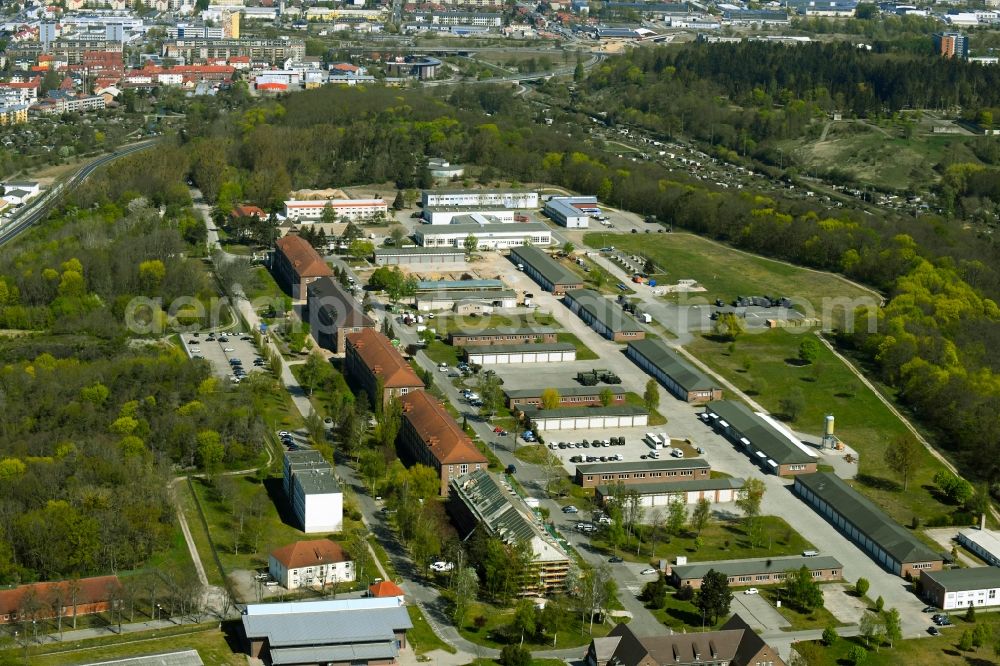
40,208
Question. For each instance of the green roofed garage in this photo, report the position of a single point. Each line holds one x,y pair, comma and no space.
768,443
678,376
883,539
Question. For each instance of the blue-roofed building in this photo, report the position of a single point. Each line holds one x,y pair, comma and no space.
350,631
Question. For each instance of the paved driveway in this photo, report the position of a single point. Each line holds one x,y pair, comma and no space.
758,612
845,607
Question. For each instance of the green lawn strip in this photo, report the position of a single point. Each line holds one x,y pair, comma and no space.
683,615
759,364
223,524
721,540
583,352
441,352
176,557
198,533
655,417
818,618
929,650
422,638
264,286
536,454
486,625
383,558
206,638
445,324
725,273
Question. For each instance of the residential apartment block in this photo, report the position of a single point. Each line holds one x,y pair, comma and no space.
333,314
432,437
592,475
297,265
316,498
351,209
373,362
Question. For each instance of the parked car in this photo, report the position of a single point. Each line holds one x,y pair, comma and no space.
570,509
615,559
930,609
442,567
511,470
648,571
933,631
751,590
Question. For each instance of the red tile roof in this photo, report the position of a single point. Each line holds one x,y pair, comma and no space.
303,258
385,589
247,211
382,359
438,431
91,590
310,553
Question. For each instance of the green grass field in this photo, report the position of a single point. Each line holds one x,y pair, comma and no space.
721,540
422,638
879,156
495,620
940,650
207,639
727,273
764,365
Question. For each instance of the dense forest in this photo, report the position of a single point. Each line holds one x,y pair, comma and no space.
94,422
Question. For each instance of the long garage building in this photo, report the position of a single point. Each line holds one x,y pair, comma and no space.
882,538
661,494
603,316
634,472
767,442
539,352
545,270
682,379
586,418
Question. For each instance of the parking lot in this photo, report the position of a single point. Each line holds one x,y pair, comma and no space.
632,450
220,349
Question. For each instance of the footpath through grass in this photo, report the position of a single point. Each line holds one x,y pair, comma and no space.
765,366
727,273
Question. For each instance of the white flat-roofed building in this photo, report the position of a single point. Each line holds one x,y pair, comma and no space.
957,589
496,198
316,498
571,212
489,236
985,544
352,209
445,214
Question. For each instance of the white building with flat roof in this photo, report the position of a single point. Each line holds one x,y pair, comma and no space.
352,209
501,198
985,544
316,497
489,236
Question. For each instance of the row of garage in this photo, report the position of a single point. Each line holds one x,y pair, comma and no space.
555,352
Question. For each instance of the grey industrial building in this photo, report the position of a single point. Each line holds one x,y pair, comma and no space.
883,539
682,379
539,352
545,270
418,255
604,316
361,632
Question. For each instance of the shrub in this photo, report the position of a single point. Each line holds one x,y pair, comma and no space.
515,655
830,636
861,587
